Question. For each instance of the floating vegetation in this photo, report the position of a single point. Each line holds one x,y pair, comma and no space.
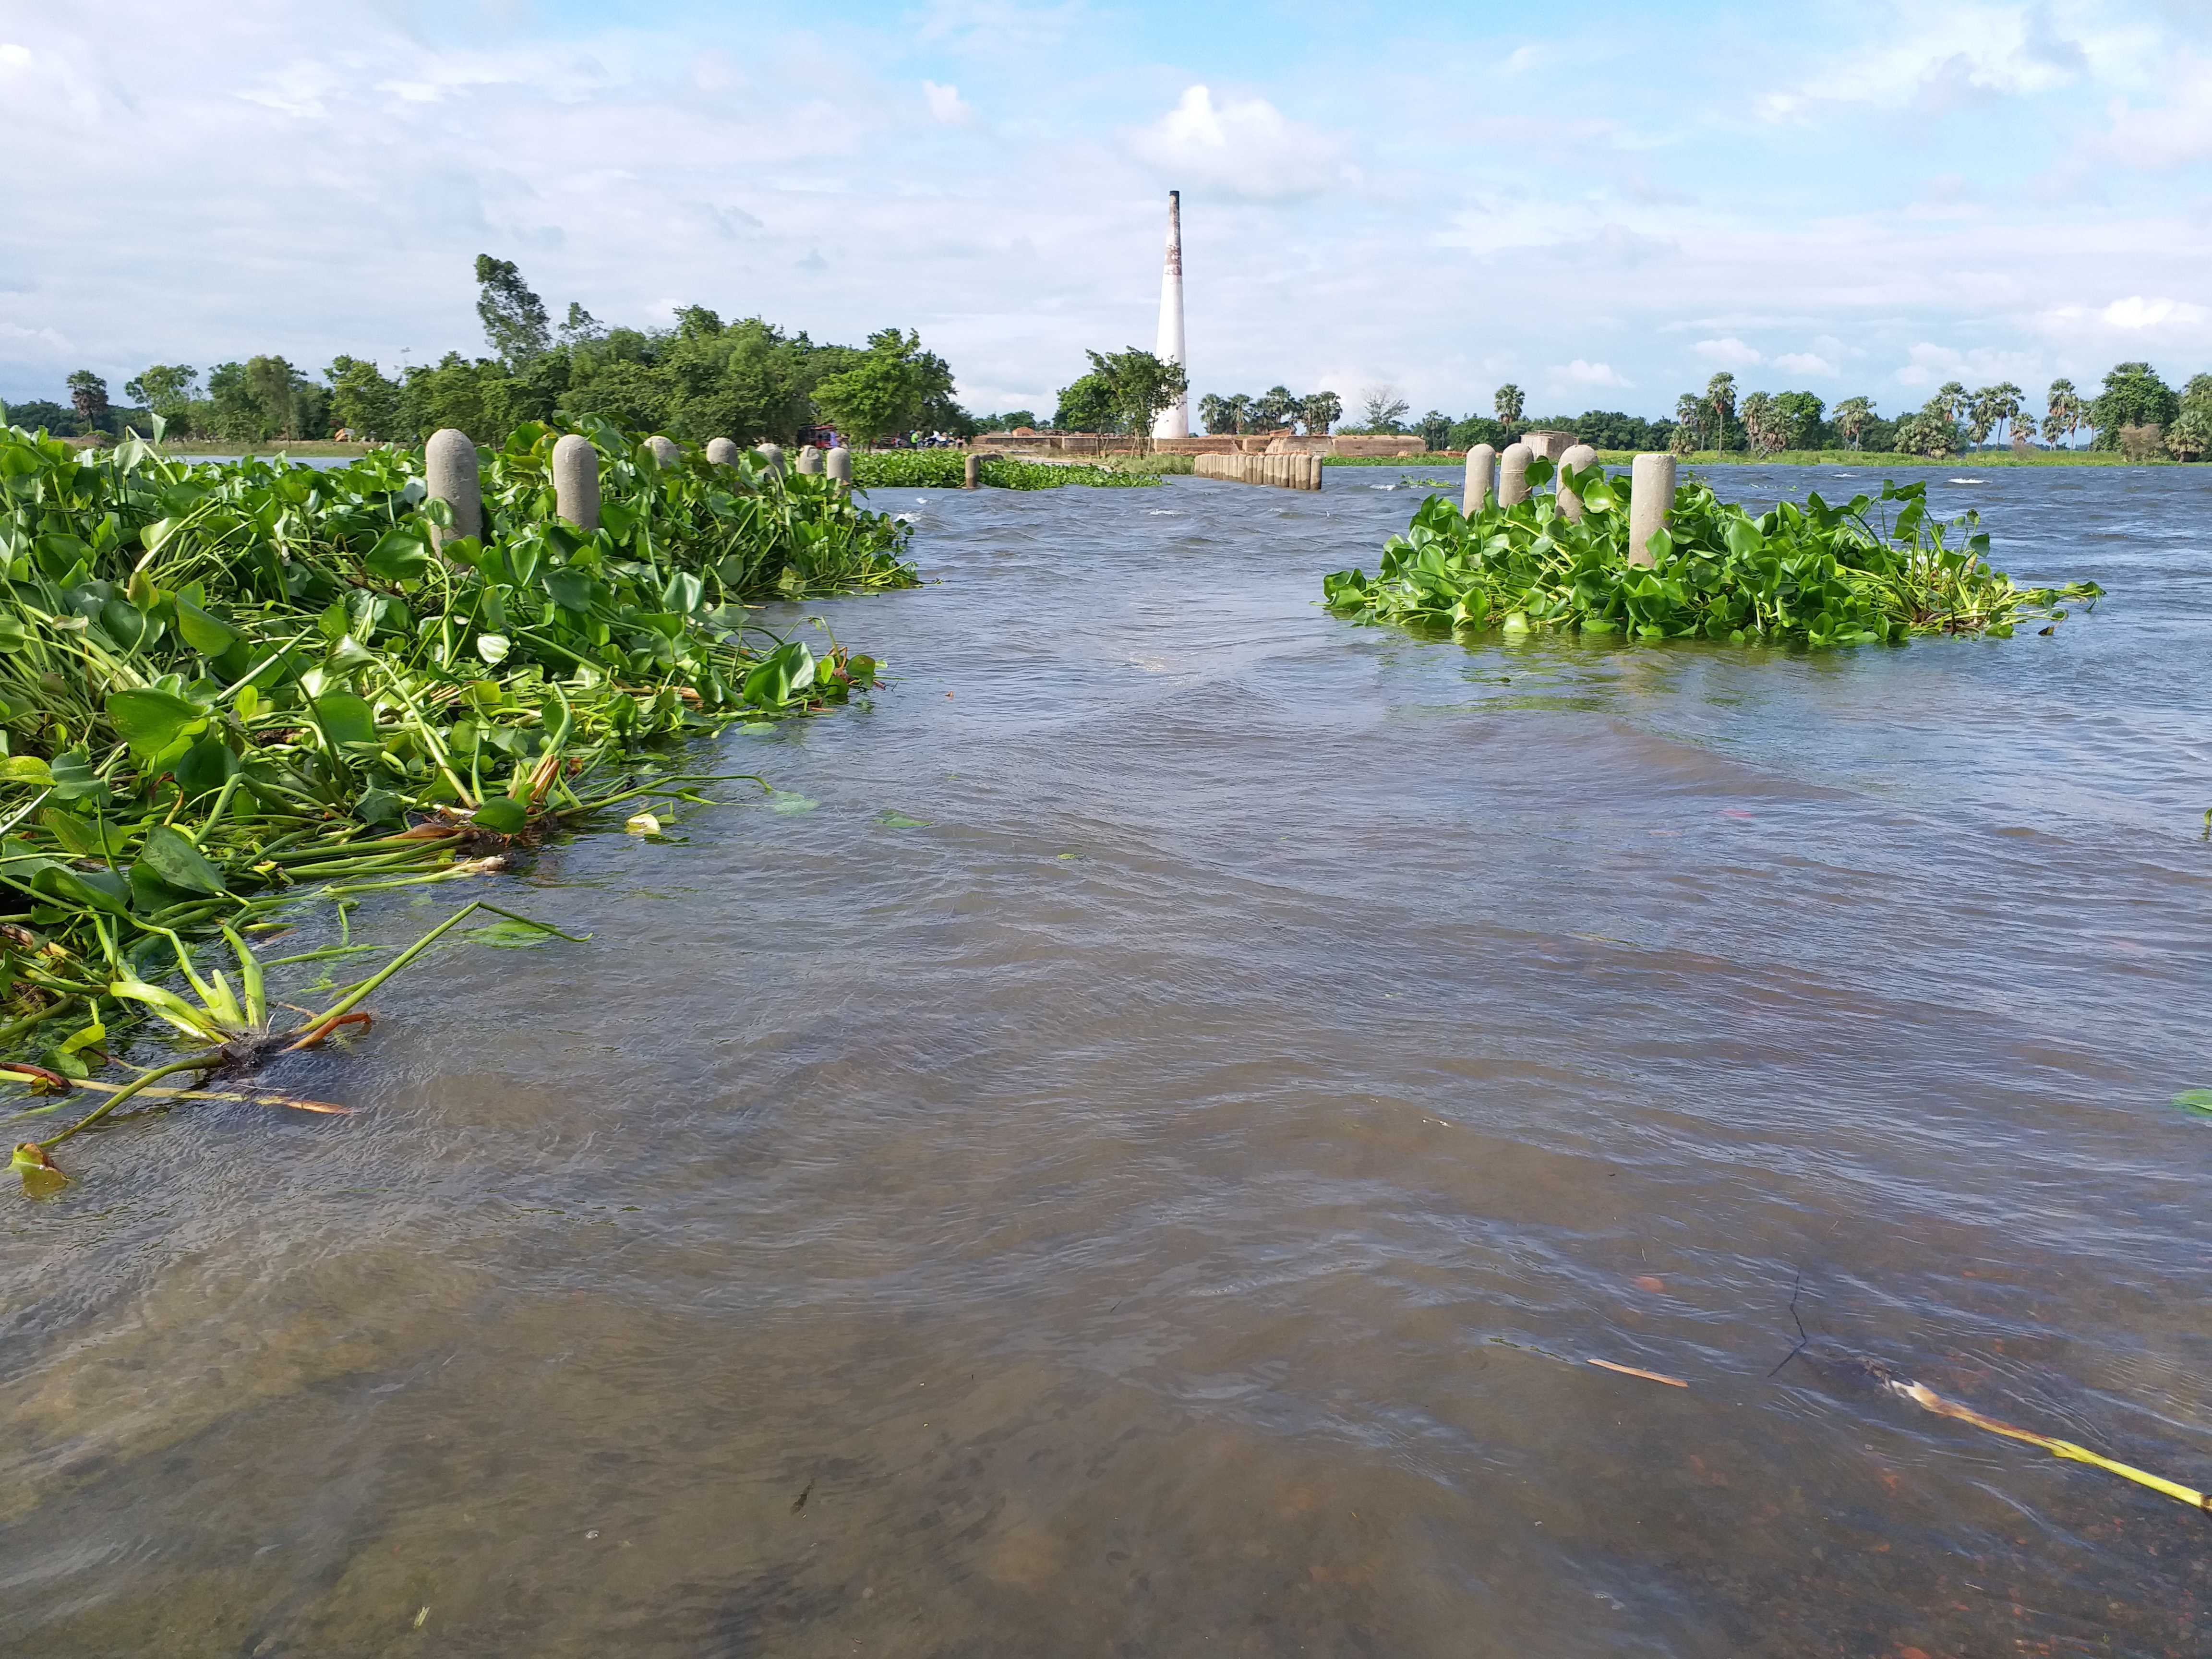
946,469
224,687
1814,575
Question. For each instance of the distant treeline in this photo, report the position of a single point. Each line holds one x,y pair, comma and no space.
703,378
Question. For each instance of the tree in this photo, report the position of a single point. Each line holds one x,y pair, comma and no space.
1137,386
1998,404
2191,436
1086,404
2062,417
88,397
1507,403
44,414
1797,417
514,318
582,327
1435,429
1851,418
362,402
1213,412
1381,409
2133,396
1952,401
166,389
880,394
1720,402
1320,411
1689,415
1762,423
1274,408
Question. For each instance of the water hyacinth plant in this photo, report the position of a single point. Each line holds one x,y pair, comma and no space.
224,686
1813,575
943,469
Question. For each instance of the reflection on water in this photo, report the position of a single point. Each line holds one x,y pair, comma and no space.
1140,1168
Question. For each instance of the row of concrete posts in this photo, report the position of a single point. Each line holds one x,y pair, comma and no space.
1505,478
1283,472
449,466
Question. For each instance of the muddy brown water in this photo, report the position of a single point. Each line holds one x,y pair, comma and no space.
1135,1157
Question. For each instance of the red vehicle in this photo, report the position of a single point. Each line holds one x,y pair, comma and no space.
822,437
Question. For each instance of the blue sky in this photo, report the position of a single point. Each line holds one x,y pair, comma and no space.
1604,203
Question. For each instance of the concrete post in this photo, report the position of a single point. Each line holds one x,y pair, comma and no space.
449,473
1481,479
809,461
1580,456
576,481
1513,475
772,454
721,452
971,472
1650,498
840,463
664,450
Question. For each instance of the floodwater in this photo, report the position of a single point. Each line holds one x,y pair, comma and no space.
1132,1151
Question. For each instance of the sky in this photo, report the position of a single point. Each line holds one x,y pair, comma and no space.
1604,203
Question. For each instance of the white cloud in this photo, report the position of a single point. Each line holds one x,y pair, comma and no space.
1805,362
14,56
946,107
1584,373
1245,147
2168,135
2137,312
1729,350
1928,364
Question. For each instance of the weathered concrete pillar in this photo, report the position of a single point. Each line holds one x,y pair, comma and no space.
721,452
839,462
664,450
1513,475
971,471
576,481
1580,456
772,454
1481,479
449,474
809,461
1650,498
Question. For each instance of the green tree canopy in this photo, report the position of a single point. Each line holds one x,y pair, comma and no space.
514,318
2133,395
883,391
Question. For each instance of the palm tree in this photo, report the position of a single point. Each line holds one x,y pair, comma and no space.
1322,411
1686,413
1213,412
1999,404
1763,424
2061,413
1951,401
1850,418
1239,411
1508,403
1720,396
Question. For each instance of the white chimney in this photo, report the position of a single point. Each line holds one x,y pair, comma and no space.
1174,421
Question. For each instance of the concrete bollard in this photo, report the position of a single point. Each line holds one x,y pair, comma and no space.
839,464
449,472
1581,456
664,450
772,456
576,481
1481,479
1513,475
971,472
721,452
1650,498
809,462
